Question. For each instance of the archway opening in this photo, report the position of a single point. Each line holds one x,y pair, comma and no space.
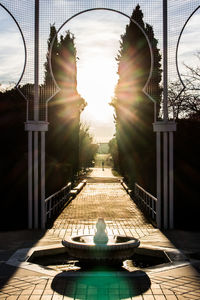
97,36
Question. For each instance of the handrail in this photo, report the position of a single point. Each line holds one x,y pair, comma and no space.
145,201
57,200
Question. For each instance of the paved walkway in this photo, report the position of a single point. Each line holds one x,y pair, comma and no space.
103,196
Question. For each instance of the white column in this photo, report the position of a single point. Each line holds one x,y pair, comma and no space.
165,112
171,180
34,129
36,111
165,61
36,180
165,179
164,165
43,210
36,63
158,174
30,180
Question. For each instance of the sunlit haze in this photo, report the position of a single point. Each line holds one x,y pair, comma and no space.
97,35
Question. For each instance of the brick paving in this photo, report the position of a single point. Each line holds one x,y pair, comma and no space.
103,196
107,200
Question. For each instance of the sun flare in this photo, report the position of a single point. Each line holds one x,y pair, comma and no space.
96,84
97,40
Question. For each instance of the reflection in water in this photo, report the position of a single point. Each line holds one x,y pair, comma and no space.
101,283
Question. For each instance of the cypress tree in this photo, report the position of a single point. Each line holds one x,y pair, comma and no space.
134,110
64,113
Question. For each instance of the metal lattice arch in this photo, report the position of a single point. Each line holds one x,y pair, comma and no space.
39,21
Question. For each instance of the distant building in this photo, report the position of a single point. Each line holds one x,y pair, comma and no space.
103,148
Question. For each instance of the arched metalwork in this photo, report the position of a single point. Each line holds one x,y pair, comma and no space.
177,47
25,50
125,15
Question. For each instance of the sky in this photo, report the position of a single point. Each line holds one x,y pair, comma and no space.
97,35
11,51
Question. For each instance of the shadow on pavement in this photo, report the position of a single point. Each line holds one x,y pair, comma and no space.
104,283
188,242
10,242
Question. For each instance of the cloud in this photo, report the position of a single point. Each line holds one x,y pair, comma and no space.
190,42
11,50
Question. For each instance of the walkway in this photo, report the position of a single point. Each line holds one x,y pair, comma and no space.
103,196
107,200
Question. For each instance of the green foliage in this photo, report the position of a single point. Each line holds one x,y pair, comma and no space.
105,158
103,148
87,149
134,111
113,150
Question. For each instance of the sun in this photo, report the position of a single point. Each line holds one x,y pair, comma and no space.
96,84
97,41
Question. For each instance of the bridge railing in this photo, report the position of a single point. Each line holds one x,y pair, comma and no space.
146,202
56,201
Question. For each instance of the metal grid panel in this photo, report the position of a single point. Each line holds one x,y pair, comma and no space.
178,13
57,12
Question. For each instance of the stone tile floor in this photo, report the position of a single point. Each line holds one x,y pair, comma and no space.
110,201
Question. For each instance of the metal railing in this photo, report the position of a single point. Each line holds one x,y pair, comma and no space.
55,202
146,202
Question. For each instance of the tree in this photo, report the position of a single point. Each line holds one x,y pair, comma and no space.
64,112
113,150
87,148
186,104
134,111
184,107
192,75
13,160
47,74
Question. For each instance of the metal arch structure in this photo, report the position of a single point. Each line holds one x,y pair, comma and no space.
164,128
24,43
119,12
177,47
164,135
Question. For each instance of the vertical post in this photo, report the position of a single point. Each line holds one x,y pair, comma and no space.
171,180
165,178
158,170
36,63
30,181
43,210
36,110
165,112
165,61
36,180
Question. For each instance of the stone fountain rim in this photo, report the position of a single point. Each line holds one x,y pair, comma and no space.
70,242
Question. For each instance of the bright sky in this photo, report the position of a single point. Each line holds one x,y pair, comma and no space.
97,35
190,43
11,51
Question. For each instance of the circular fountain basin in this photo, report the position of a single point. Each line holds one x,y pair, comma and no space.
118,248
